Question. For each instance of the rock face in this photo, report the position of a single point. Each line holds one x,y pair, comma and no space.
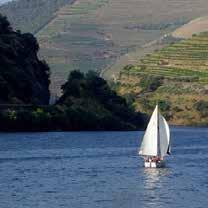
24,79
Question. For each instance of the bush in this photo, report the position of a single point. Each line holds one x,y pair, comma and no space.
202,107
87,103
88,96
150,83
164,105
130,98
4,25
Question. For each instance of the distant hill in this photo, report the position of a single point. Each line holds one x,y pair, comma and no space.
99,34
195,26
24,78
87,103
95,35
175,77
31,16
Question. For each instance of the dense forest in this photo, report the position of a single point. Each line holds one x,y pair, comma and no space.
87,101
90,101
24,79
31,15
87,104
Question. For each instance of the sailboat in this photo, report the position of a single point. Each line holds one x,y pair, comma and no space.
156,141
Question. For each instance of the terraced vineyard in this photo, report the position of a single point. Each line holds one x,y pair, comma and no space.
176,77
94,34
73,41
98,34
31,16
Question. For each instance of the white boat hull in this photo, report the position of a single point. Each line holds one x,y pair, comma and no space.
159,164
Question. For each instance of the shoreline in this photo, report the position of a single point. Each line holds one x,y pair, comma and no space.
99,131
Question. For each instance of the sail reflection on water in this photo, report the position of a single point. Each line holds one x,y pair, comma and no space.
155,181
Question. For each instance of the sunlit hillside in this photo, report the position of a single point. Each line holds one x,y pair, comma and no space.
99,34
96,34
195,26
176,77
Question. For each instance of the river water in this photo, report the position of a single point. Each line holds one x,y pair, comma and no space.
101,170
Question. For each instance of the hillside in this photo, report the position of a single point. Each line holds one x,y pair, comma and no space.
24,79
195,26
176,77
33,15
87,103
94,35
99,34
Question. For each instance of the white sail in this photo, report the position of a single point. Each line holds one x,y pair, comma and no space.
150,140
164,136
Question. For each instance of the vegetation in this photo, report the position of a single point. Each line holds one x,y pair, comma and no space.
150,83
98,34
175,77
92,103
202,107
24,79
32,15
87,103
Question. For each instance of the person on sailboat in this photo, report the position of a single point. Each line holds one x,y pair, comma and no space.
154,159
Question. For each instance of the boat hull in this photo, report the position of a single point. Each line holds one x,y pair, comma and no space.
159,164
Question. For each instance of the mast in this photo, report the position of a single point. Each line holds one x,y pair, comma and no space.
158,133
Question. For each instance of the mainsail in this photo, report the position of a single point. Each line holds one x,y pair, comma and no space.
157,136
150,141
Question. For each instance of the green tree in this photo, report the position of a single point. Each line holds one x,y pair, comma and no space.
4,25
150,83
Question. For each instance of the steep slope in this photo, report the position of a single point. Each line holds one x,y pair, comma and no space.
24,79
96,34
93,35
31,15
195,26
176,77
87,103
